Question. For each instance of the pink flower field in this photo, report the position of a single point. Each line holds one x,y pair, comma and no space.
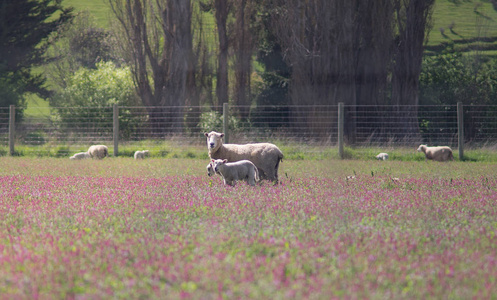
163,229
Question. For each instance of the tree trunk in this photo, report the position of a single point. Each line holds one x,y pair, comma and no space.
243,57
156,37
221,7
412,17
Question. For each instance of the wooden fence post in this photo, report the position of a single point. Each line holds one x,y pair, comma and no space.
12,128
225,122
460,130
340,129
115,128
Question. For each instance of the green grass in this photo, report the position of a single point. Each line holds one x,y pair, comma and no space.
100,9
167,149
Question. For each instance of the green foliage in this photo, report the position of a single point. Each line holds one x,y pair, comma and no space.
77,44
100,88
450,77
12,88
213,121
35,138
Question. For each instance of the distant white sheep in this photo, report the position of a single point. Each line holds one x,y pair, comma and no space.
141,154
441,153
80,155
265,156
98,151
382,156
239,170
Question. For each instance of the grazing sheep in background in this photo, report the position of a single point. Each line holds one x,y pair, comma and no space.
239,170
382,156
442,153
141,154
265,156
98,151
80,155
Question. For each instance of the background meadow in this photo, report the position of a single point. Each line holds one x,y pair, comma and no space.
161,228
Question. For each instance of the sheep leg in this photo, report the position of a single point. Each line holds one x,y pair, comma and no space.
251,180
271,176
262,174
229,182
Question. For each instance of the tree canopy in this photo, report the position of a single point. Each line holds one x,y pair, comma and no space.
25,26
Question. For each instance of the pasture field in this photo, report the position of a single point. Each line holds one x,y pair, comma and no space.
161,229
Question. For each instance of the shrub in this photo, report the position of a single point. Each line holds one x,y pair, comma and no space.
213,121
91,90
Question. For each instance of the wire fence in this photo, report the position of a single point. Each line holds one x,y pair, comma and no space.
393,126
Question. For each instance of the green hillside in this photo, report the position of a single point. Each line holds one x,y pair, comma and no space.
100,9
468,24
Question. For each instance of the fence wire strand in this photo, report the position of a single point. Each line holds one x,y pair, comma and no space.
394,126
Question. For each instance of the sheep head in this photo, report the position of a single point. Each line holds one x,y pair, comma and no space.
422,148
214,140
210,169
217,163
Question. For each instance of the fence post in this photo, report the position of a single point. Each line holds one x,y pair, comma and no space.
12,128
460,130
225,123
115,118
340,129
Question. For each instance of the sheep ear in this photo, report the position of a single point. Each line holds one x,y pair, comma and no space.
221,135
206,134
225,161
212,160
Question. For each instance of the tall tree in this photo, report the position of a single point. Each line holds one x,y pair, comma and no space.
25,26
345,50
412,20
222,9
244,50
318,42
272,98
156,36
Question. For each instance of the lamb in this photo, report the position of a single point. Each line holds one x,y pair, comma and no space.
141,154
80,155
239,170
441,153
265,156
210,170
98,151
382,156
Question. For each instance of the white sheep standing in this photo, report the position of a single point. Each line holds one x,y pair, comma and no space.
441,153
239,170
80,155
98,151
382,156
265,156
141,154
